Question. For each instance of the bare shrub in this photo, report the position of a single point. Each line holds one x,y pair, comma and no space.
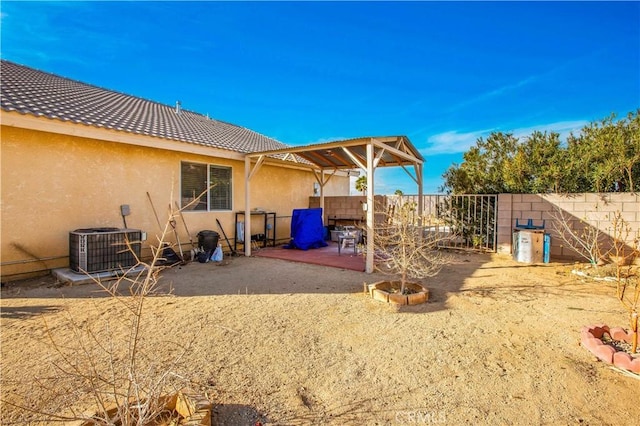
619,246
624,253
109,364
580,236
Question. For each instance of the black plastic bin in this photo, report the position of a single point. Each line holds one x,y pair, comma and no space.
208,240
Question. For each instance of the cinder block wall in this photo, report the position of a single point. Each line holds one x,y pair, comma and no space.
345,208
594,210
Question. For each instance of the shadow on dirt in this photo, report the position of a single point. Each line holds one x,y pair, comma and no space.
236,415
262,276
23,312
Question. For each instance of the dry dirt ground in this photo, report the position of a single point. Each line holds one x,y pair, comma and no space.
292,344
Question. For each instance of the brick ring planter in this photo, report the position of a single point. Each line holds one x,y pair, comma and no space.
386,291
591,339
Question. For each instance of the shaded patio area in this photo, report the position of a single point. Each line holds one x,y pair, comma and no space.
327,159
325,256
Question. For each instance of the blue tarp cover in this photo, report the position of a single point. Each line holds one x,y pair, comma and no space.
307,229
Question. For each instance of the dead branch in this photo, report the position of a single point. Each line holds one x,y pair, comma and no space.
109,364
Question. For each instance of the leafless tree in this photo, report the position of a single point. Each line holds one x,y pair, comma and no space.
405,249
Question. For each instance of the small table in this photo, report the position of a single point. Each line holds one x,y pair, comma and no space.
344,239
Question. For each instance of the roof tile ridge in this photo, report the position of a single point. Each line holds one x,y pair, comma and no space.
107,90
253,131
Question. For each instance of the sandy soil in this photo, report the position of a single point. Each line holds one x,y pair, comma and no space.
286,343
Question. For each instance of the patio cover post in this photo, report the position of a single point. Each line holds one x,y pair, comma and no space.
322,196
320,178
370,209
321,184
419,169
247,205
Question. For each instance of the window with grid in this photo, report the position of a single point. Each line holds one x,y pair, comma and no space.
205,187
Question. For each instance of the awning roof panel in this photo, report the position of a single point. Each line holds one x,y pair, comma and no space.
391,151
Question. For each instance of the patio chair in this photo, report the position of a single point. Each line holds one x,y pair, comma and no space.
346,239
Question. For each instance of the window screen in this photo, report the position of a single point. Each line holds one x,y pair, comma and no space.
210,185
220,191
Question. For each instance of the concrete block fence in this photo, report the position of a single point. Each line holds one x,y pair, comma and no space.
345,210
587,209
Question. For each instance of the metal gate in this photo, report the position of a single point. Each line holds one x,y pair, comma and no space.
461,221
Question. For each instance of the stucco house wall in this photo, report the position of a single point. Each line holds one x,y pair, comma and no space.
54,182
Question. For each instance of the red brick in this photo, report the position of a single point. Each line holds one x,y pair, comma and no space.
585,334
380,295
599,330
604,353
619,333
592,343
417,298
623,360
398,299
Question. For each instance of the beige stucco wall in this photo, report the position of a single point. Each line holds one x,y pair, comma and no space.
54,183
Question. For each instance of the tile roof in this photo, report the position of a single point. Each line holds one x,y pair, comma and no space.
33,92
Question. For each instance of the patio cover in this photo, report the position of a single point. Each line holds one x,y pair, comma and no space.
325,159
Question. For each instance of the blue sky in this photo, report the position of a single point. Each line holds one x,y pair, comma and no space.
441,73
